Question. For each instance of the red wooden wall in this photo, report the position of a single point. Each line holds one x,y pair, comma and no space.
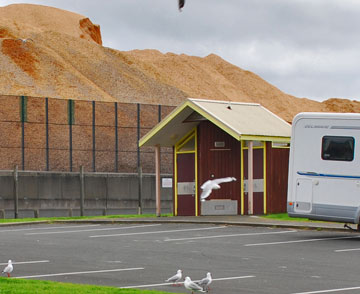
219,162
277,178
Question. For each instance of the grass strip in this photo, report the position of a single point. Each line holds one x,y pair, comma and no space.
286,217
22,286
49,219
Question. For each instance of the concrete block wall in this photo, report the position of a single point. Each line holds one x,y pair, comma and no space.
58,193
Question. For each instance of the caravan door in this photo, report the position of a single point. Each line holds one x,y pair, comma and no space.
303,195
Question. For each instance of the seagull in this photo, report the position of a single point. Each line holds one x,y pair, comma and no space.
209,185
205,282
8,269
175,278
25,40
192,286
181,4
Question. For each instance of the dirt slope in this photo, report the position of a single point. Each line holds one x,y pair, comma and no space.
65,59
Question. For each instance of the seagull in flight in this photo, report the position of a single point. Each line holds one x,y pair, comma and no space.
181,4
205,282
25,40
175,278
210,185
8,269
192,286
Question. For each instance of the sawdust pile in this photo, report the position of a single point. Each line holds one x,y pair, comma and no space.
65,59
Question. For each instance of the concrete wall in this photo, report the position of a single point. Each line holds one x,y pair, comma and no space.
58,193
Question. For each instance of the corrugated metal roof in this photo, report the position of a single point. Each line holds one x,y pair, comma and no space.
243,121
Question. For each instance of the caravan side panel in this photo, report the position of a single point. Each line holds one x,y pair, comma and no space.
324,167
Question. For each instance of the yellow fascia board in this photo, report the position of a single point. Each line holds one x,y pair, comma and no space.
265,177
242,196
185,139
162,124
265,138
215,120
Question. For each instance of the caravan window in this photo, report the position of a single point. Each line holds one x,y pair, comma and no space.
337,148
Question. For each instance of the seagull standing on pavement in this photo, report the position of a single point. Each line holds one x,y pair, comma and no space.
8,269
210,185
205,282
175,278
192,286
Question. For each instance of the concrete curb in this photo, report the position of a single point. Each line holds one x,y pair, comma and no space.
305,226
256,223
24,223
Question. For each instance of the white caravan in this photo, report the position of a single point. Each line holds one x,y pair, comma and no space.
324,167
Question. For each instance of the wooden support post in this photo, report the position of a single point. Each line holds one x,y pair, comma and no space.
157,179
250,178
82,191
16,192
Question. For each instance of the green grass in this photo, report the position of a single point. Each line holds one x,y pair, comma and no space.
21,286
49,219
285,217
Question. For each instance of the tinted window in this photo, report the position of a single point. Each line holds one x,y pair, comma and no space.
337,148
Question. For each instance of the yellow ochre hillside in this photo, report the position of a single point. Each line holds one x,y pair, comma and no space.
63,57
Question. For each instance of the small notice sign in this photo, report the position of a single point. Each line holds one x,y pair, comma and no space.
167,183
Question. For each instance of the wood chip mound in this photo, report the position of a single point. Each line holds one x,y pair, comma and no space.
49,52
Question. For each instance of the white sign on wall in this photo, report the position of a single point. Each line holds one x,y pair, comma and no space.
166,183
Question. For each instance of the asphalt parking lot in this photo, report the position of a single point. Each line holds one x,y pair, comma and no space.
242,259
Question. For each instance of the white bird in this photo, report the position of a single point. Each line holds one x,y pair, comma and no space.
8,269
175,278
25,40
205,282
210,185
192,286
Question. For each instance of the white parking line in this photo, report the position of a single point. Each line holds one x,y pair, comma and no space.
329,291
346,250
166,284
158,232
301,241
26,262
230,235
82,273
48,228
91,230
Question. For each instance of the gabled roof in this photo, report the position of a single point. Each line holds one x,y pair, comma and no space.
243,121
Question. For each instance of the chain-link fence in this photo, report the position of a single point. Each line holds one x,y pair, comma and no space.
46,134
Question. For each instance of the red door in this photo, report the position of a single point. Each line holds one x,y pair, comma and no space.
186,184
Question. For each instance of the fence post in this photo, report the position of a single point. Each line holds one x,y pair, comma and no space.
157,180
16,192
94,136
140,177
116,139
82,191
47,132
23,104
139,168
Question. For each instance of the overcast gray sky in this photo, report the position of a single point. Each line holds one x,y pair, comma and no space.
306,48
